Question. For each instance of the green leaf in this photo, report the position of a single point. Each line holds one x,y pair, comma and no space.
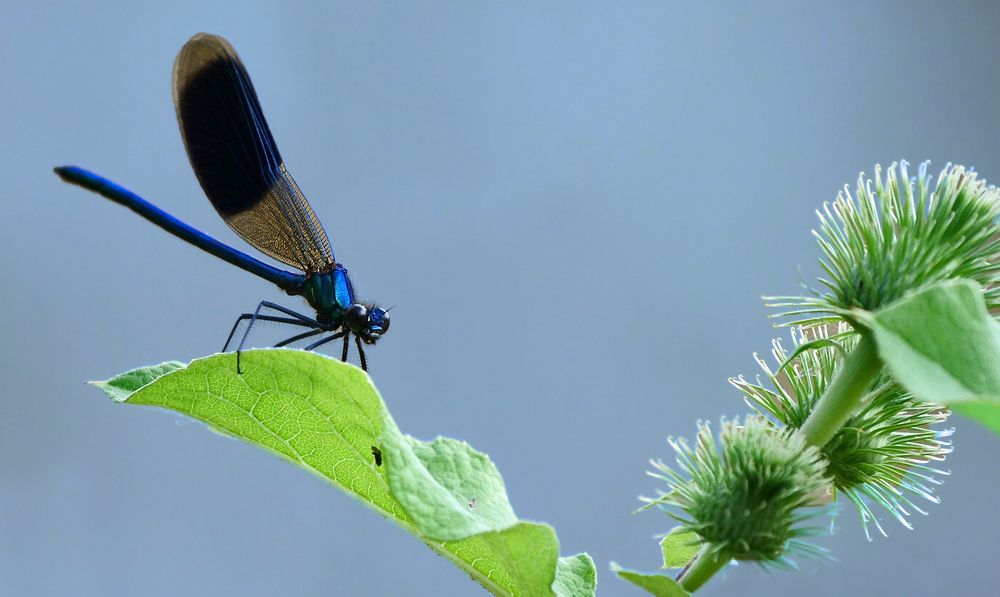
327,417
680,546
575,575
987,413
449,489
655,584
520,560
121,387
943,346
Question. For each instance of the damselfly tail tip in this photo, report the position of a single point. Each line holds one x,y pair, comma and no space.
65,172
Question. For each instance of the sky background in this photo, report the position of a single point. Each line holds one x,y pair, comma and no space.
574,209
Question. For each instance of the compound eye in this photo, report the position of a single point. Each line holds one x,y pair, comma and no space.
356,317
378,320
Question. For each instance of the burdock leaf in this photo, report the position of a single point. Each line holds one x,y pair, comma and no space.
327,417
450,490
575,575
943,346
654,583
679,547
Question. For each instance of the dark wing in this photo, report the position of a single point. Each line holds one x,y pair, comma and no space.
236,160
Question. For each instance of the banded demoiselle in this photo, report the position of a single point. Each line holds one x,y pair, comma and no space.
241,171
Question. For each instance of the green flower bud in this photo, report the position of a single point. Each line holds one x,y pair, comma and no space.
898,235
740,495
882,454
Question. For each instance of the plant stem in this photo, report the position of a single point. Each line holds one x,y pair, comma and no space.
702,568
845,392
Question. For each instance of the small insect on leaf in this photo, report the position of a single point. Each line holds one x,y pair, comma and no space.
378,455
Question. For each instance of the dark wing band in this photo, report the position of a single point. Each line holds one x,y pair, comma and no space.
236,160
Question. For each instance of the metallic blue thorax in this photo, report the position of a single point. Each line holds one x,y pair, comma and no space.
330,293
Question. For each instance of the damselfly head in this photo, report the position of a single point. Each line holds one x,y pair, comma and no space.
368,322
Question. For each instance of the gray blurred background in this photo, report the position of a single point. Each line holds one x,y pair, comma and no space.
575,210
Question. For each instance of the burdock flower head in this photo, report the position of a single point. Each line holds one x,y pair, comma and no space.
741,495
896,236
900,234
906,261
884,452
